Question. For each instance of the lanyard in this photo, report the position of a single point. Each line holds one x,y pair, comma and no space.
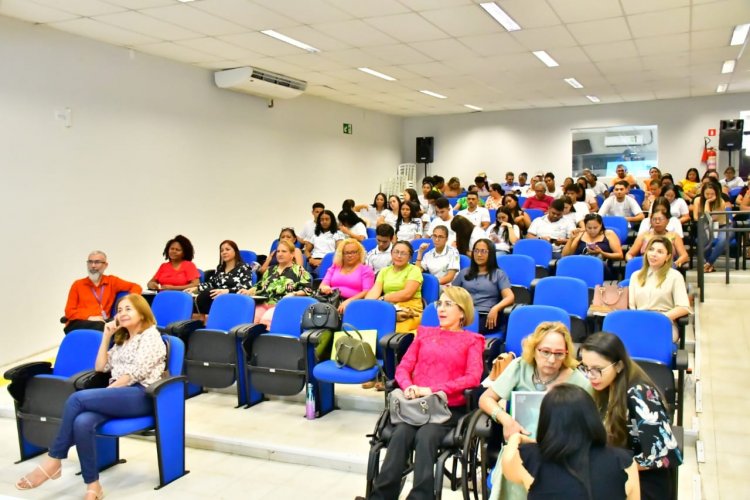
99,298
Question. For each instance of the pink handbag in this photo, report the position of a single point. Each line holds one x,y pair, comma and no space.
610,297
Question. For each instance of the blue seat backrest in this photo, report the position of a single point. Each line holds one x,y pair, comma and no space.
493,215
519,268
534,213
325,263
430,288
453,200
77,352
202,275
370,314
633,265
646,334
415,245
170,306
371,232
464,261
521,201
430,318
524,320
639,195
176,356
230,310
118,297
617,224
275,243
539,250
248,256
586,267
570,294
287,317
369,243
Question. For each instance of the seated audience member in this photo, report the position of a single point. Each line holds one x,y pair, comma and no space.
462,203
552,189
654,174
658,286
288,234
634,412
351,225
552,227
622,205
674,224
426,188
483,188
658,227
394,209
308,229
325,239
713,176
578,196
466,234
690,185
520,218
504,233
136,360
668,180
374,211
487,284
453,189
90,299
730,180
479,216
445,358
597,241
540,200
231,276
349,273
568,181
522,184
285,279
431,212
622,175
408,225
654,191
443,260
179,272
710,200
510,185
677,206
570,457
438,183
495,199
400,284
530,191
569,211
597,186
380,256
588,194
443,217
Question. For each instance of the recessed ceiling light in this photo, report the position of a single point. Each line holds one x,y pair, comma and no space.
722,88
728,66
377,73
434,94
593,98
500,16
471,106
185,1
739,34
573,83
290,40
545,58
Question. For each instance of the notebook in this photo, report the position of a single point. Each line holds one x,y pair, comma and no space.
524,408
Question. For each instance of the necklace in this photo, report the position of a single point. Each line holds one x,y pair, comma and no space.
541,385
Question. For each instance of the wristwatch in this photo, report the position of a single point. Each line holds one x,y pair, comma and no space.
494,413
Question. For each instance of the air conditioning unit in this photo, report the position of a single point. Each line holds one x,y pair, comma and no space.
624,140
259,82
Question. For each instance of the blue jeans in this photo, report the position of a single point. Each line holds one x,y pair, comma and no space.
715,249
85,411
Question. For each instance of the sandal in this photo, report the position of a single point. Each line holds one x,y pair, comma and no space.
708,268
25,484
98,495
369,385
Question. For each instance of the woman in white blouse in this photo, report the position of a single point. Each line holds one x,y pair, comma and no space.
326,240
136,360
408,224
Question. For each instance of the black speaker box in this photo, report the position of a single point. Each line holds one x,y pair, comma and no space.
425,146
730,135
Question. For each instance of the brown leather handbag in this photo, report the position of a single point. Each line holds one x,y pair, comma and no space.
500,363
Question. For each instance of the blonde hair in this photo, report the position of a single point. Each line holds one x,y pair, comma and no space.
144,311
463,300
661,274
338,258
532,341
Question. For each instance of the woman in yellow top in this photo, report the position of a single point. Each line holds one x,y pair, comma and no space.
690,184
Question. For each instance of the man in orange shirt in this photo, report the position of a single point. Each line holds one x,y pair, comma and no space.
90,299
623,175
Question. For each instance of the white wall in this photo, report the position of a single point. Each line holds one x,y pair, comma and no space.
540,139
155,149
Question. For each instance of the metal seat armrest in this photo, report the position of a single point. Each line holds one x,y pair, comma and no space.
90,379
394,346
681,360
246,330
28,370
552,266
183,329
154,389
504,313
315,336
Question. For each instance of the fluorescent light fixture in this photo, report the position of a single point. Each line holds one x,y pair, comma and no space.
290,40
434,94
573,83
728,66
739,35
185,1
593,98
500,16
471,106
722,88
377,73
545,58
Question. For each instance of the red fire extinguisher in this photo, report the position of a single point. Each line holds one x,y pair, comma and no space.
710,159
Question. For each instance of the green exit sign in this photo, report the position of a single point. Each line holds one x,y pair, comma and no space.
347,128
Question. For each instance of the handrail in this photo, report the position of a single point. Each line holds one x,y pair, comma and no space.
702,240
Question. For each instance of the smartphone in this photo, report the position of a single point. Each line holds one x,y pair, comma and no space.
591,246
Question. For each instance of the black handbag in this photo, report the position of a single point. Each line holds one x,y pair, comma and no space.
321,315
333,298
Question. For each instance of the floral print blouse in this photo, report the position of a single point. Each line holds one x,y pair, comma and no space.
275,285
649,433
239,278
143,357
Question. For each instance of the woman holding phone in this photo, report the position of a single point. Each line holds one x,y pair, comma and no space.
595,240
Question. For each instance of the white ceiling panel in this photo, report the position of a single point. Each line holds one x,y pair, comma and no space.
710,39
530,14
85,8
355,32
316,38
140,4
448,48
219,65
367,8
613,50
462,21
585,10
306,11
663,44
103,32
273,64
727,13
218,48
660,23
545,38
354,58
431,69
262,44
639,6
616,66
606,30
139,23
176,52
407,27
27,11
666,61
719,55
312,62
494,44
246,14
193,19
397,54
570,55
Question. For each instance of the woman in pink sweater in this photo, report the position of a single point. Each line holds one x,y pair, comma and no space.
444,358
348,273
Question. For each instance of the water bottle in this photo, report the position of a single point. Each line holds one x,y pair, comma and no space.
310,403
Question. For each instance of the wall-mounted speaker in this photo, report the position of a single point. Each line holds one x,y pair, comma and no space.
730,135
425,148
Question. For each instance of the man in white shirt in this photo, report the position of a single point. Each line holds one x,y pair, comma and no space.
552,189
730,181
380,256
596,185
553,227
622,205
308,229
444,218
479,216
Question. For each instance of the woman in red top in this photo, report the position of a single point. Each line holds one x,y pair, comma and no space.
444,358
179,272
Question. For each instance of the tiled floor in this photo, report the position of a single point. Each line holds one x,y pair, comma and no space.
326,458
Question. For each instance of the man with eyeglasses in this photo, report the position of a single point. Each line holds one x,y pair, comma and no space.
91,298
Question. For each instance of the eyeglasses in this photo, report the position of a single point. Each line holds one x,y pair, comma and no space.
444,303
95,262
558,355
593,372
353,252
438,237
481,251
400,253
